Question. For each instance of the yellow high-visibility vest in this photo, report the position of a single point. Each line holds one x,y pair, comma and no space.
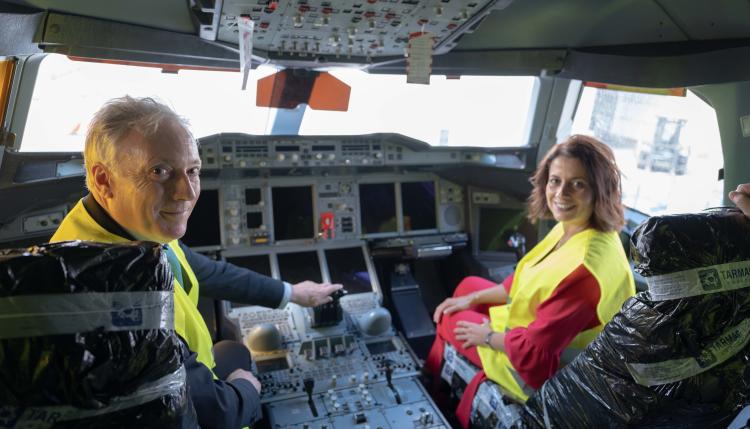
188,322
537,276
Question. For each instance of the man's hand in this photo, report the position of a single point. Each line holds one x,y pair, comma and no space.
451,305
741,197
245,375
311,294
472,334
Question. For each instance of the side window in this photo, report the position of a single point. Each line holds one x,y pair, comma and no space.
668,147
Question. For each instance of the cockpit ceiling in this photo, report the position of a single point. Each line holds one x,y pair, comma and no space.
584,39
510,24
580,24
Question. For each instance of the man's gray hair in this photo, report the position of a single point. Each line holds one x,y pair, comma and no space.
118,117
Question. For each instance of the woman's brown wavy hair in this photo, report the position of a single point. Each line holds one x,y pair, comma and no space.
603,176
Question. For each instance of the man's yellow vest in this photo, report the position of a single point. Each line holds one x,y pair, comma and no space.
188,322
537,276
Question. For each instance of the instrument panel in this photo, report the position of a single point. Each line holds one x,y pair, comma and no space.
240,151
256,212
355,372
331,205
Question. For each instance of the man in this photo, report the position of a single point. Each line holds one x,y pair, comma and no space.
143,175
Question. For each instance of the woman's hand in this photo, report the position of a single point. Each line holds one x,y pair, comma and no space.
472,334
451,305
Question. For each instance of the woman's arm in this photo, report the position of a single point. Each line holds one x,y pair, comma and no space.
491,295
535,350
495,295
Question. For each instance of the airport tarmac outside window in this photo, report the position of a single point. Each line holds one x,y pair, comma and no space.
668,147
470,111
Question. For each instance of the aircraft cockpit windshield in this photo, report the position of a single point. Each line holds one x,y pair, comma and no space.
456,111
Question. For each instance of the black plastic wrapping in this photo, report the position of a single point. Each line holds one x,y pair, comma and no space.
87,369
665,244
597,390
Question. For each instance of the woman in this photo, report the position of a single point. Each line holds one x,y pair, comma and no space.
562,292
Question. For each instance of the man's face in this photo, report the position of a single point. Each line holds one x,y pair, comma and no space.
155,184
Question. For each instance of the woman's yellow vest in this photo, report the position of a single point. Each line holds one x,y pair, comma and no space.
188,322
537,276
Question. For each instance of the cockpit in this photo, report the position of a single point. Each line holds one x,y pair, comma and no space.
387,146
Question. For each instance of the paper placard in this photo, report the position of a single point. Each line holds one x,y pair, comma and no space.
246,27
419,60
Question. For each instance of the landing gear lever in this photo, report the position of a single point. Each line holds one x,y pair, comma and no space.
388,377
309,384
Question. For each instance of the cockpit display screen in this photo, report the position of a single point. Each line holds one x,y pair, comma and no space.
495,227
380,347
377,205
261,264
298,267
203,228
252,196
418,202
273,364
293,213
348,267
258,263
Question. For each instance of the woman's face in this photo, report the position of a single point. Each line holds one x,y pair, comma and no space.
570,197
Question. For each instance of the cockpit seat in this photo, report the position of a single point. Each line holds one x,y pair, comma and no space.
490,405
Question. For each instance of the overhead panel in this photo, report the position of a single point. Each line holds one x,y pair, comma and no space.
346,28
